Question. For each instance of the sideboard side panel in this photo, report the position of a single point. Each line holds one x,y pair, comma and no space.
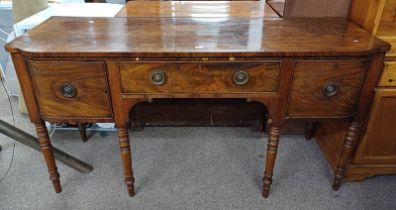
27,88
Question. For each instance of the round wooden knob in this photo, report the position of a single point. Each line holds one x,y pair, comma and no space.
158,77
68,91
241,77
330,89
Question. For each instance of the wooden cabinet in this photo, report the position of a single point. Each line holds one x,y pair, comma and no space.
378,145
376,151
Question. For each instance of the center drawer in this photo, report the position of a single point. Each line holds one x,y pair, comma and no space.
148,78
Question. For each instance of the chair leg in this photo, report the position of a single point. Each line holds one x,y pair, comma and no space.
83,131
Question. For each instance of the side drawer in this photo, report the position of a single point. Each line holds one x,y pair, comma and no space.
71,89
207,78
326,88
388,77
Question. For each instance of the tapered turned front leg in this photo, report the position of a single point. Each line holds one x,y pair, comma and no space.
83,131
272,149
349,144
126,159
46,149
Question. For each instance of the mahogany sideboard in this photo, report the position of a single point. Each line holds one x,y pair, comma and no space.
85,70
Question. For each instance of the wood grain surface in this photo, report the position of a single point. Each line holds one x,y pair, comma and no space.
188,37
199,78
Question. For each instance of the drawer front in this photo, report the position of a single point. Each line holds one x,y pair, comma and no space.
222,78
138,78
388,77
207,78
326,88
71,89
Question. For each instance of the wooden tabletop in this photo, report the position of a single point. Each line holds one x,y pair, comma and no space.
194,37
200,9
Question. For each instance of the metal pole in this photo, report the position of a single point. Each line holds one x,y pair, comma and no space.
31,141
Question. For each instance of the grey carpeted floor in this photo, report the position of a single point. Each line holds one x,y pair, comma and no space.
182,168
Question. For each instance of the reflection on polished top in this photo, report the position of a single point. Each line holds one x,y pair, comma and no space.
185,37
202,9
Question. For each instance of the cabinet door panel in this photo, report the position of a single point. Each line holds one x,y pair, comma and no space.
379,141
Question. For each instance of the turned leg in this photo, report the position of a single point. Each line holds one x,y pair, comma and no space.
126,159
46,149
83,131
349,142
272,149
310,130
